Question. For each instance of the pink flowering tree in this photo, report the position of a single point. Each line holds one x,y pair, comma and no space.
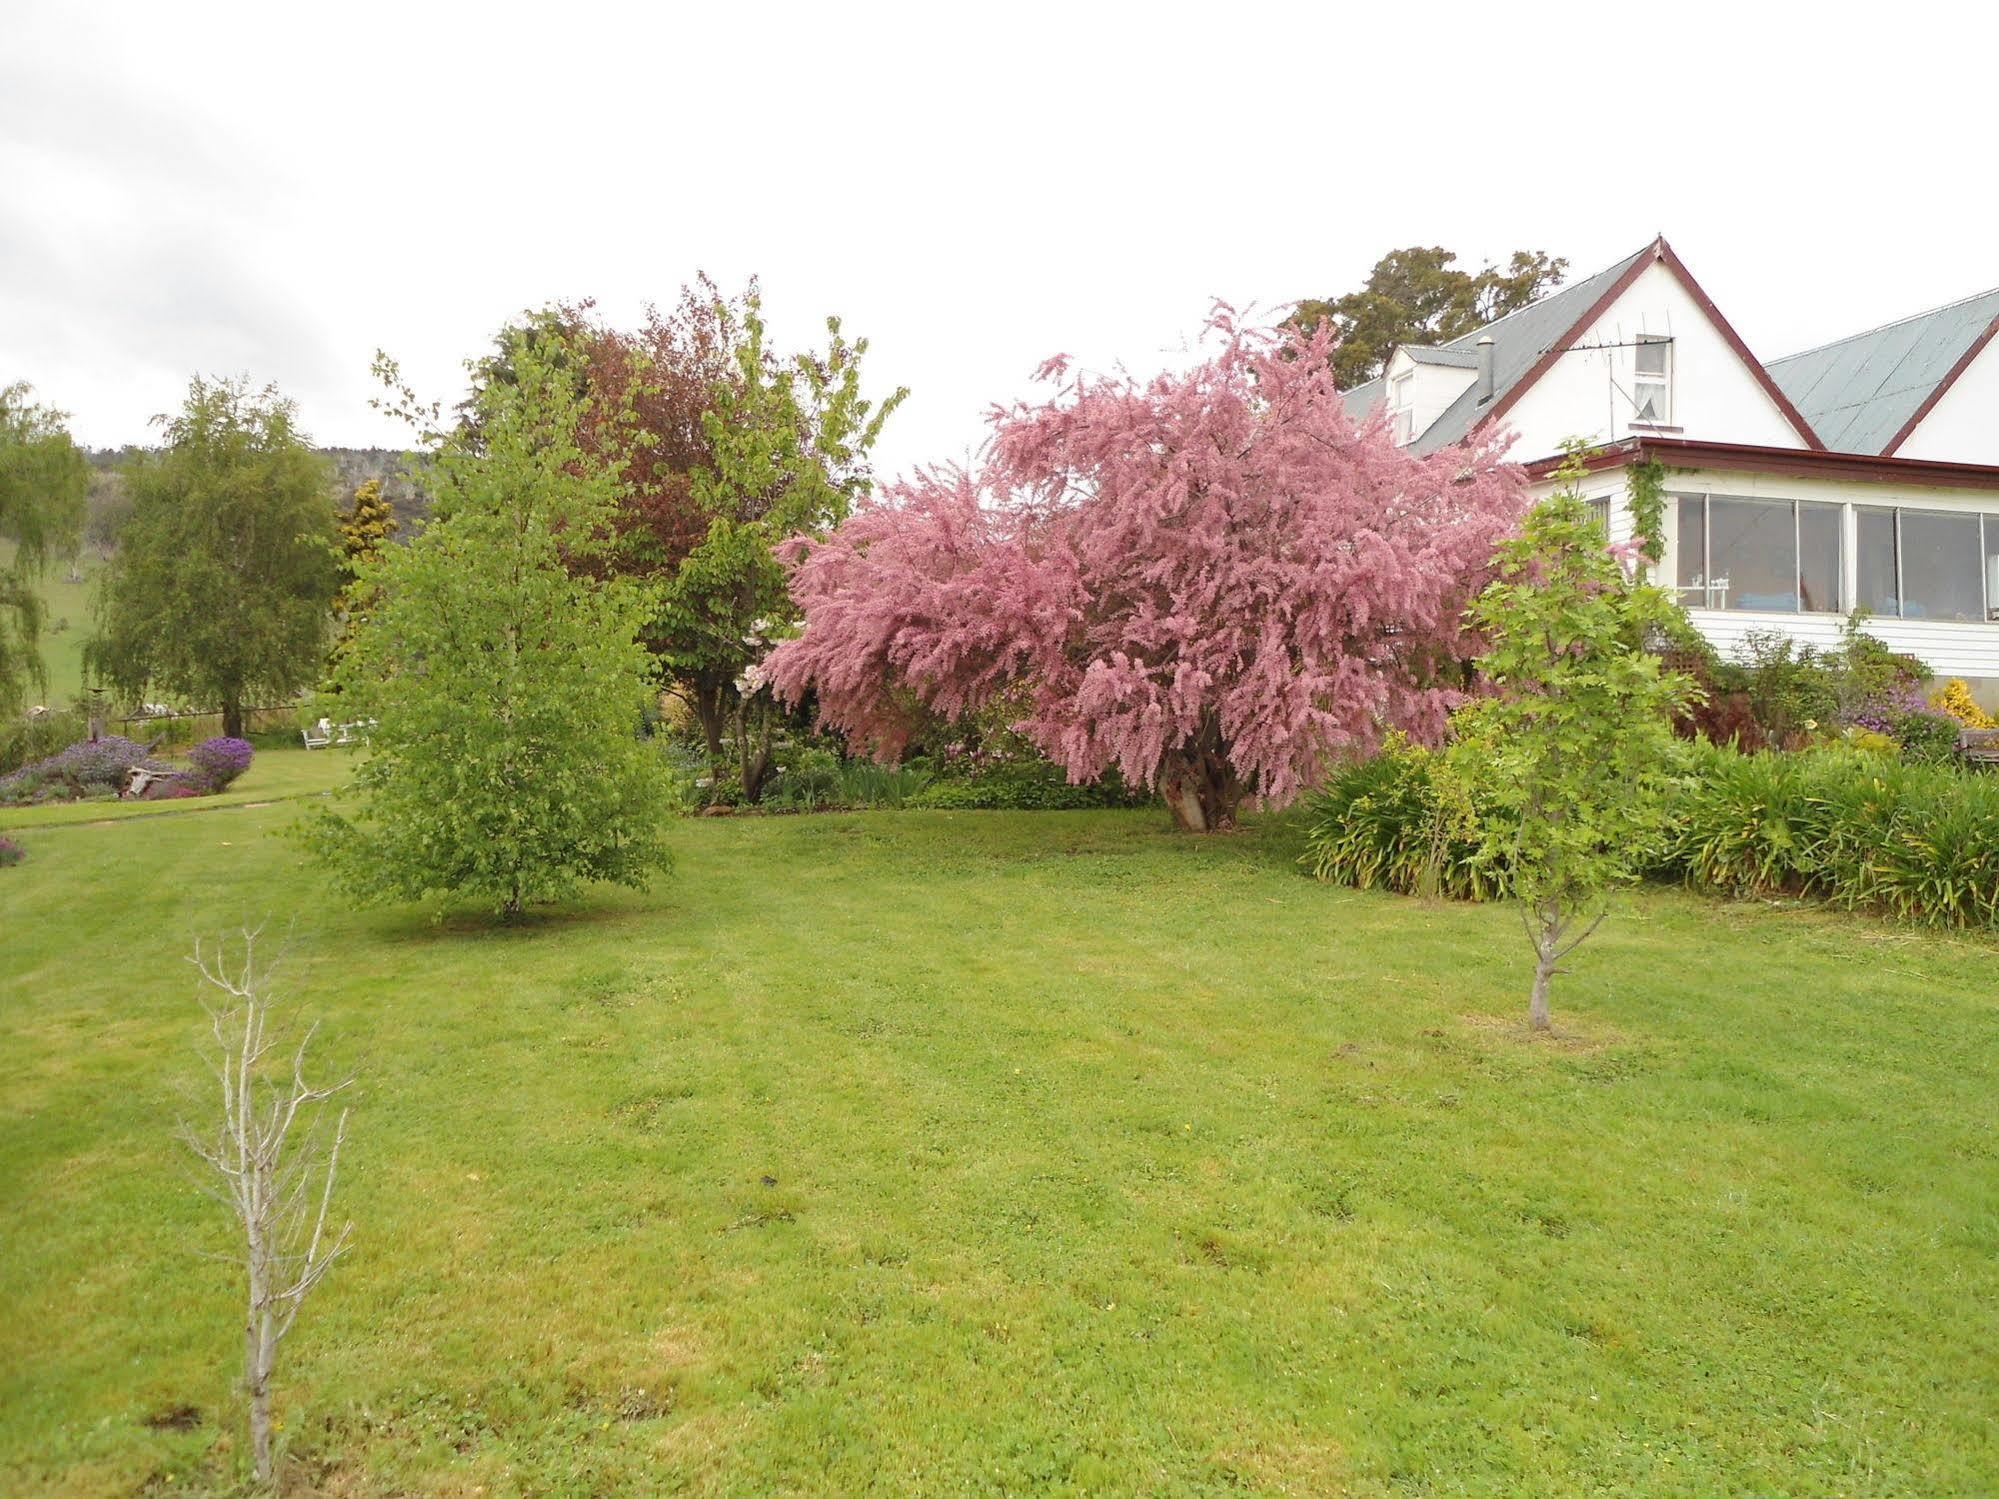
1215,580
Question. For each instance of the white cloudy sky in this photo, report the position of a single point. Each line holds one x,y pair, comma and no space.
278,190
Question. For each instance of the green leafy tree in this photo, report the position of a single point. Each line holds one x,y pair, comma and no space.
1572,761
737,451
222,586
503,681
1421,295
43,480
788,444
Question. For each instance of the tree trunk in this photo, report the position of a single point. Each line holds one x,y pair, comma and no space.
711,707
1547,952
257,1352
1200,785
232,718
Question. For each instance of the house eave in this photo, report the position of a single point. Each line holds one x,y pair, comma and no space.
1799,463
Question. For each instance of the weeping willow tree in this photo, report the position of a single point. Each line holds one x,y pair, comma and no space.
44,479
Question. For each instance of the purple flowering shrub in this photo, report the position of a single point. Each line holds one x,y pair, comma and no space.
86,766
220,760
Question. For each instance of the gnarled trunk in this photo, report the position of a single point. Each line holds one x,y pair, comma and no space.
232,718
1199,784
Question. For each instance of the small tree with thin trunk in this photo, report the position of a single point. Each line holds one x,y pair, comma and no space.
1574,757
271,1149
505,683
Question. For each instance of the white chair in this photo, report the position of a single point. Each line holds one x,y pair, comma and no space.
319,735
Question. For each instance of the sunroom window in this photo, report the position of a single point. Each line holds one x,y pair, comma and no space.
1924,564
1765,556
1992,567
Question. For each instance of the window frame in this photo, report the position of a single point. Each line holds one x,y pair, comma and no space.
1987,519
1843,588
1646,379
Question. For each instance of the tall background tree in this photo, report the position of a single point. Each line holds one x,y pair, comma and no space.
1213,580
504,678
221,589
735,449
1421,295
44,478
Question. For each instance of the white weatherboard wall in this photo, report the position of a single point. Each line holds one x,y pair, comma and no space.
1586,392
1963,426
1431,387
1967,649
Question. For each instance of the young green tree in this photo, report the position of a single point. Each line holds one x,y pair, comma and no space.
1573,759
222,585
504,682
43,480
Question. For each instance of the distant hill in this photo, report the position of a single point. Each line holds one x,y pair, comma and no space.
352,467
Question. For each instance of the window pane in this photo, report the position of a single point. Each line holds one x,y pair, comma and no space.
1650,400
1940,567
1754,554
1652,356
1875,587
1992,567
1692,553
1818,557
1599,514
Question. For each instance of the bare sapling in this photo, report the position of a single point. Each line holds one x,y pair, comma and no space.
275,1158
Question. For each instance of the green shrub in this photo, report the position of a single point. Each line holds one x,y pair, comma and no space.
1021,786
25,739
1399,822
1916,842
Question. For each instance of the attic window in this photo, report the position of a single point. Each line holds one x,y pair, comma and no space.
1399,407
1652,383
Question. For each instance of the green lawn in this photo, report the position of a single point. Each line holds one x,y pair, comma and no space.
937,1153
274,775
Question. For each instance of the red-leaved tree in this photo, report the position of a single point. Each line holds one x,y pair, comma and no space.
1214,580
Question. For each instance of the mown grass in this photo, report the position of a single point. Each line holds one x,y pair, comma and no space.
274,775
941,1153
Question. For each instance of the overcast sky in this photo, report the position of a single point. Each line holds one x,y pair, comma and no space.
278,190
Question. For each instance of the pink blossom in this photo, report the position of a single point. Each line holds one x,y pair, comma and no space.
1215,580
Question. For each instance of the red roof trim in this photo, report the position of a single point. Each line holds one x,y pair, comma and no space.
1661,252
1936,394
1799,463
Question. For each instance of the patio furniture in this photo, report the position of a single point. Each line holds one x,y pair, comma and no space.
319,735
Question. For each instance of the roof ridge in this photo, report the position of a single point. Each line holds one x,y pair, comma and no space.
1560,291
1833,343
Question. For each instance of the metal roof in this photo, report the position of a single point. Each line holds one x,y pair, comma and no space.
1860,392
1518,341
1461,359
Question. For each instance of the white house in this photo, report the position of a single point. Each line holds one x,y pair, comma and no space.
1862,475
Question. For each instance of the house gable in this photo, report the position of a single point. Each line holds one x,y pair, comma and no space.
1589,385
1960,419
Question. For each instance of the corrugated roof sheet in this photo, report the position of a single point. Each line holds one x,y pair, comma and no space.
1518,340
1858,392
